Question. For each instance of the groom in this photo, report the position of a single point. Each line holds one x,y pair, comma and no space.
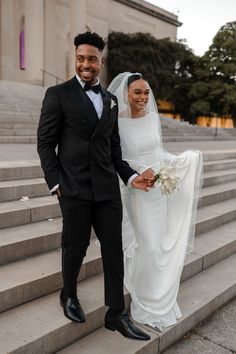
79,118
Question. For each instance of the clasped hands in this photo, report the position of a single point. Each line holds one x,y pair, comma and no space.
144,181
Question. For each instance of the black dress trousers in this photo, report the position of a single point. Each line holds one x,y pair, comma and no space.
106,218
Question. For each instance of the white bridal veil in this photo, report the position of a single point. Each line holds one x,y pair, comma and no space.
181,206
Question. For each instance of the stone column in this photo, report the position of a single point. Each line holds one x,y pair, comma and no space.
34,34
78,20
50,37
8,50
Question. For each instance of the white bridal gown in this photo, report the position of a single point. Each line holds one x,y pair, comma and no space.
157,230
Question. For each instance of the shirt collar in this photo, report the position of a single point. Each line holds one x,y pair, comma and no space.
82,83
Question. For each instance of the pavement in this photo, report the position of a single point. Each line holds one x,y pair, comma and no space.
216,335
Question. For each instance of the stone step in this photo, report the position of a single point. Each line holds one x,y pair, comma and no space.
25,113
33,140
18,140
42,272
210,166
20,119
170,121
28,240
182,131
219,155
23,212
18,212
212,216
214,245
35,187
25,241
191,130
17,132
101,340
19,122
217,177
40,275
217,194
198,298
170,138
8,106
14,190
40,327
14,170
4,125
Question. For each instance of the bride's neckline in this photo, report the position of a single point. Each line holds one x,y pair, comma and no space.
136,119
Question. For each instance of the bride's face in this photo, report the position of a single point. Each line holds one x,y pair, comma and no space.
138,95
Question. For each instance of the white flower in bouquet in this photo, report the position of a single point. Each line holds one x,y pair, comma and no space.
167,180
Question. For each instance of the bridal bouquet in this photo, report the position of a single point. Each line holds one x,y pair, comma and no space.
167,180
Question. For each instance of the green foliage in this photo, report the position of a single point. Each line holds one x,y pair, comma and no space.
166,65
216,76
196,86
141,52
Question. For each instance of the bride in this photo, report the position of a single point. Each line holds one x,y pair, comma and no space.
158,230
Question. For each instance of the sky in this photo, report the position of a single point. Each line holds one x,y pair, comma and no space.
201,19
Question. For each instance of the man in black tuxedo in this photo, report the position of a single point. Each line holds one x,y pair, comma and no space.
79,117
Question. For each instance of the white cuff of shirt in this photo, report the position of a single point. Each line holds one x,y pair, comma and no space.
131,179
54,188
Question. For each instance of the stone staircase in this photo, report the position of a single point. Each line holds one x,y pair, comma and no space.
174,130
20,106
31,319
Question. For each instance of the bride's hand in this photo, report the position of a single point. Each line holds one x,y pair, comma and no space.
140,182
149,177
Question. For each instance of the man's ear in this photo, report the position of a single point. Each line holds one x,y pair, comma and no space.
103,61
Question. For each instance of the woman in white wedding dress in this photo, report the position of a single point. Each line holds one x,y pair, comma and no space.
158,230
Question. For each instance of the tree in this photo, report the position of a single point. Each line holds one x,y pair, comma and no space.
195,85
140,52
165,64
198,94
183,80
215,88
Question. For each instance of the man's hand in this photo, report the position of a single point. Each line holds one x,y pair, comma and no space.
149,177
140,182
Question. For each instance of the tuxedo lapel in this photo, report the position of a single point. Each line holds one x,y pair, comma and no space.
106,104
105,112
83,103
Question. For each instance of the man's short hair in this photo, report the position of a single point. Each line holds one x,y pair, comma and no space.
89,38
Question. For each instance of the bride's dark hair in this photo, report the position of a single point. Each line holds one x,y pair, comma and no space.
134,77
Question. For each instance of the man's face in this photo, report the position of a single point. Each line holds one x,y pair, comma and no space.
88,62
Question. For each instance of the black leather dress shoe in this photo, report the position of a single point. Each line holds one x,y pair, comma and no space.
72,308
125,326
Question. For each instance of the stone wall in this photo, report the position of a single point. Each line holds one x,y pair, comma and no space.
50,27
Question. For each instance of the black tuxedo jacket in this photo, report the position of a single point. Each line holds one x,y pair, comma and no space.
88,149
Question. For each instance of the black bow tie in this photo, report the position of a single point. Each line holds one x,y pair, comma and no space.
95,88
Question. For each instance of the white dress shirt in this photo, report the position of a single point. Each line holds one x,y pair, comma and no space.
96,98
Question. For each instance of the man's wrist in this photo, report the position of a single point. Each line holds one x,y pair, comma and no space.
131,179
54,188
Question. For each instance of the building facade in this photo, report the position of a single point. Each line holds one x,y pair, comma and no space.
36,36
